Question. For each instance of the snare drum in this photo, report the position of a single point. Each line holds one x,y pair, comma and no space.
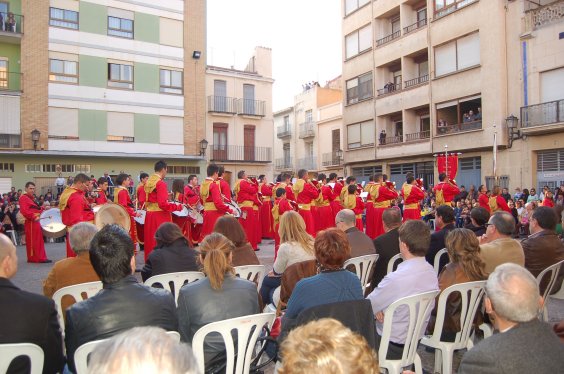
197,217
185,212
52,223
141,219
237,212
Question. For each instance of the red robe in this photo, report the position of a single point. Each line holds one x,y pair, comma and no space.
336,199
192,198
158,210
213,205
34,245
498,203
305,192
266,211
245,193
224,188
448,192
281,206
484,202
101,199
74,209
324,211
412,196
369,209
381,196
548,202
355,203
141,199
121,197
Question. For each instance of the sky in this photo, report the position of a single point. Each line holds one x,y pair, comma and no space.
304,35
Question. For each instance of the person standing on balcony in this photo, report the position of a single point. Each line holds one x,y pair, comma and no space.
382,137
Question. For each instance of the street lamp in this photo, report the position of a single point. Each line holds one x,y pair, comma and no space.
35,134
512,124
203,147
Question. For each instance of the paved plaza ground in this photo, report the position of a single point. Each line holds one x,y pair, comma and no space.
30,278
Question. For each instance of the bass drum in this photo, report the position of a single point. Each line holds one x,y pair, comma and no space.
112,214
52,223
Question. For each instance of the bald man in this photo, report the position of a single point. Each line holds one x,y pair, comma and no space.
27,317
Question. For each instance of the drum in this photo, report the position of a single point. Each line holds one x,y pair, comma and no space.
96,208
110,214
141,219
237,212
52,223
185,212
196,216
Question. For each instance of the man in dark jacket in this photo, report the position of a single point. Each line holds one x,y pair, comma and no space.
444,219
26,317
123,303
387,245
361,244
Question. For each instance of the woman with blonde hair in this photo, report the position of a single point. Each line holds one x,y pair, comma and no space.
296,245
219,296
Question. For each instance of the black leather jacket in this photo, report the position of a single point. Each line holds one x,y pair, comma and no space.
118,307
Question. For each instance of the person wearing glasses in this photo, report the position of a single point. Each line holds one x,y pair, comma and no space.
496,245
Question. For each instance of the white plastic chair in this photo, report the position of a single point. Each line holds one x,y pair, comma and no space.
471,294
559,294
174,281
552,271
419,307
397,258
76,291
363,266
13,236
10,351
253,273
437,260
81,354
247,329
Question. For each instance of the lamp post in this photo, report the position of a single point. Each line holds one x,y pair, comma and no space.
514,133
35,134
203,147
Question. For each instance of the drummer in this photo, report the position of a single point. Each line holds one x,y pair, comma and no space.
121,197
192,197
181,220
140,203
34,244
214,207
74,206
101,192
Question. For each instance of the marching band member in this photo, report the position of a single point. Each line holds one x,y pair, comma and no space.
211,198
483,199
192,198
266,208
141,199
286,183
74,206
335,195
305,192
382,193
101,191
34,245
224,187
158,208
178,197
257,203
121,197
412,196
324,211
369,206
354,202
350,180
281,206
497,202
445,191
245,193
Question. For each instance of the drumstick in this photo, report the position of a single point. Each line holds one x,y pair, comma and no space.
45,217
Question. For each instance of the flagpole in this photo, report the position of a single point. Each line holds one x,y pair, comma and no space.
446,160
495,154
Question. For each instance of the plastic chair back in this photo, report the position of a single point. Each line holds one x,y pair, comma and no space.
247,330
552,273
363,266
174,281
8,352
437,260
253,273
79,292
396,259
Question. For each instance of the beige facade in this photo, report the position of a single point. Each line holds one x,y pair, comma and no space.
435,75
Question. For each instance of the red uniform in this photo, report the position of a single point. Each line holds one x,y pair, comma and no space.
158,210
498,203
305,192
324,211
355,203
484,202
34,244
548,202
381,196
213,205
369,209
445,193
256,211
121,197
74,209
266,211
192,198
281,206
101,199
336,199
141,199
245,192
412,196
224,188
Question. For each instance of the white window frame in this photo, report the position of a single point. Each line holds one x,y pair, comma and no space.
170,88
121,32
354,41
63,77
64,22
457,46
120,83
361,143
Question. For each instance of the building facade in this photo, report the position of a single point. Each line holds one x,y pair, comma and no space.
422,77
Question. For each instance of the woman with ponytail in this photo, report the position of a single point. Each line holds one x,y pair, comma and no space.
219,296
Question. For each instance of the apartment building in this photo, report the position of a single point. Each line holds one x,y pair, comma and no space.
239,116
308,134
425,76
101,85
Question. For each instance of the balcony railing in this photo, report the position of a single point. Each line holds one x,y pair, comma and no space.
10,141
389,88
390,140
240,153
10,81
418,136
543,15
417,25
330,159
307,130
388,38
249,107
441,12
221,104
416,81
542,114
461,127
11,23
309,163
284,131
284,163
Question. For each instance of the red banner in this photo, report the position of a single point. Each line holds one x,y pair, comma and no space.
452,161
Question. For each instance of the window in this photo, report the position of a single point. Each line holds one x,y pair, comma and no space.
7,166
444,7
397,78
171,130
352,5
82,169
120,127
171,81
308,116
359,88
459,115
33,168
457,55
120,76
219,146
421,17
3,73
63,71
249,99
360,135
395,23
181,169
120,27
287,121
67,19
358,41
367,171
63,123
64,168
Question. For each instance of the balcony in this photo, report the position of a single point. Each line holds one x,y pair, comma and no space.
308,163
307,130
247,107
11,28
461,127
240,153
284,163
544,15
416,26
10,81
222,104
388,38
389,140
543,118
10,141
284,131
389,88
417,81
422,135
446,10
330,159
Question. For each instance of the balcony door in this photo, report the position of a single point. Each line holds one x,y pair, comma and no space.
3,73
287,158
335,145
220,96
219,141
249,143
248,99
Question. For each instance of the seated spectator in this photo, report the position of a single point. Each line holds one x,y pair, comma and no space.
413,276
505,194
27,317
219,296
73,270
296,245
293,274
524,344
496,245
142,350
465,265
444,219
387,245
243,254
326,346
526,213
123,303
360,243
548,200
172,253
479,218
